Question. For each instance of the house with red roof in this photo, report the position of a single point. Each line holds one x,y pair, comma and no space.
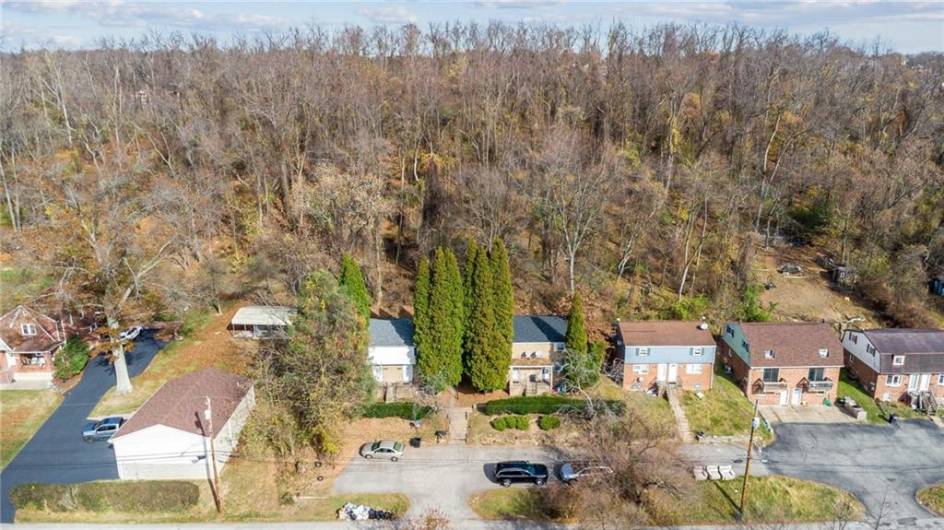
28,343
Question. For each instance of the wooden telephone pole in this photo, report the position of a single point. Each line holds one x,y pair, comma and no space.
217,493
747,463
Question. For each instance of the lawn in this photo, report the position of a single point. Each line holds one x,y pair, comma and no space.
772,499
205,344
877,413
932,498
509,503
724,411
22,412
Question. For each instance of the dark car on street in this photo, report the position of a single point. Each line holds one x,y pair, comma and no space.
508,473
102,430
573,471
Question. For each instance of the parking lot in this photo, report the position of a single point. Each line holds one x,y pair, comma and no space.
883,466
56,453
804,414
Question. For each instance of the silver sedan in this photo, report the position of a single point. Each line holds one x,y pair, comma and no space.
383,449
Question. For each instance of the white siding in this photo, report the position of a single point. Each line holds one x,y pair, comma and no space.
164,453
391,355
858,348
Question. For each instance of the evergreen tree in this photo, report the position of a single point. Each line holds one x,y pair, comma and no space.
581,367
504,295
421,306
488,358
471,254
351,281
576,337
457,309
441,364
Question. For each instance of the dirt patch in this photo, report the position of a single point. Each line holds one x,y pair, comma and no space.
808,296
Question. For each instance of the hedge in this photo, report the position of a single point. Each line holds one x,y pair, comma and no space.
542,405
510,422
547,423
397,409
500,423
118,496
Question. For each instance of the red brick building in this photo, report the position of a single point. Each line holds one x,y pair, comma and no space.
783,363
897,364
670,352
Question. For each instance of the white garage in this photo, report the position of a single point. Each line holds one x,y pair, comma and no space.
169,436
391,354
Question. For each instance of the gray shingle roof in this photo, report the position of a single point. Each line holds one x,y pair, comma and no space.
540,328
907,340
391,332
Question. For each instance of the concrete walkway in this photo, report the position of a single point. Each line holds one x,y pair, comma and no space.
681,422
458,424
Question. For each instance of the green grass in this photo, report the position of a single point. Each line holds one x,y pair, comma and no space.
509,503
771,499
22,412
932,498
877,412
724,411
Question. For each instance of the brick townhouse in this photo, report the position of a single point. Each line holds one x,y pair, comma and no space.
671,352
783,363
896,364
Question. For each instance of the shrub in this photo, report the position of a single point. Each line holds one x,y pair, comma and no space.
547,423
72,358
521,422
542,405
407,410
500,423
117,496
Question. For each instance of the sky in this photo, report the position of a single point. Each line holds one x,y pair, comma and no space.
903,26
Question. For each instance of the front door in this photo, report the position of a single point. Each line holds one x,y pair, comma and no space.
673,372
913,382
924,383
660,374
784,398
797,396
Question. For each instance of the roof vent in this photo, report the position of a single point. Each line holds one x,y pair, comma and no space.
769,354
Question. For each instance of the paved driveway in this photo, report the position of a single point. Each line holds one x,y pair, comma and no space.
56,453
438,476
882,465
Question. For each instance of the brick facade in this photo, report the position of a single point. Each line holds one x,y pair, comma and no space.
791,380
876,384
634,380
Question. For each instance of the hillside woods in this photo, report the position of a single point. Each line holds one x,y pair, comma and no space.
642,169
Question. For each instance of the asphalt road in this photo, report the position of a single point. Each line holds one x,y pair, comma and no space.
883,466
56,453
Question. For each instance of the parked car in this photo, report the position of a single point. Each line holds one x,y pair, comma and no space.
102,430
130,333
573,471
383,449
508,473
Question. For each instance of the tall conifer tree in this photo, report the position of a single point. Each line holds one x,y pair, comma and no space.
352,282
421,306
504,296
488,360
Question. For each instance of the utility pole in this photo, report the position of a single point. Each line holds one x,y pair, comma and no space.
747,463
217,493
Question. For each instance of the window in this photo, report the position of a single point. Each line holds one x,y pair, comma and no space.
28,329
871,349
771,375
642,352
546,373
940,379
893,380
898,360
747,347
769,354
378,372
640,368
853,337
694,368
697,351
558,346
515,375
824,353
816,374
729,330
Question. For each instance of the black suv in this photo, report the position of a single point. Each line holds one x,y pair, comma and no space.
507,473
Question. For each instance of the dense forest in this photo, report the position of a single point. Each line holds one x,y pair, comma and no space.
641,168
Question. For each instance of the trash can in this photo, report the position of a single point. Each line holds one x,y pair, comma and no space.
415,442
892,418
